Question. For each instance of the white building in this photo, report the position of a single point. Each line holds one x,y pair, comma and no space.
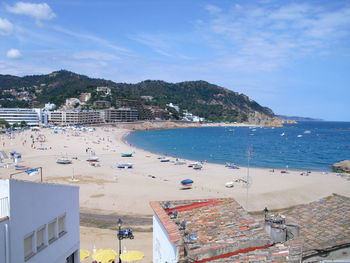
39,222
33,117
75,117
50,106
171,105
107,91
188,116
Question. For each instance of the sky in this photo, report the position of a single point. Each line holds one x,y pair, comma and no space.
290,56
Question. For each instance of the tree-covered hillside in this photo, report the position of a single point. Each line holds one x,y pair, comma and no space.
198,97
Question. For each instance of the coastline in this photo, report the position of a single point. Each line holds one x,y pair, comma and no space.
106,190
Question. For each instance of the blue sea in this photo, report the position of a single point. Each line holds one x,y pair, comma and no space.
301,146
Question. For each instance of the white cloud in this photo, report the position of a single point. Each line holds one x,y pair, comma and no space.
6,27
39,11
213,9
98,40
13,53
266,37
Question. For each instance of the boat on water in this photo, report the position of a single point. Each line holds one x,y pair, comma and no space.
125,165
126,154
92,159
232,165
64,160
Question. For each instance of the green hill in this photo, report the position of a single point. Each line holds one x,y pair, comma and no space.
198,97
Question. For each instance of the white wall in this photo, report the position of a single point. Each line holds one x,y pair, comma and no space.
163,249
33,205
2,241
4,188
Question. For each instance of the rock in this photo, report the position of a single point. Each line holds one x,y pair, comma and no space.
343,166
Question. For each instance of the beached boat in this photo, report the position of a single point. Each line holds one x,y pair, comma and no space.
186,184
197,166
232,165
164,160
126,154
124,165
178,162
32,171
63,161
229,185
21,167
92,159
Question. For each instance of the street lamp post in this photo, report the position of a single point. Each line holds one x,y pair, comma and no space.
120,238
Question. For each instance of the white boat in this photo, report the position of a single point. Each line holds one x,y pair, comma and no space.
178,162
229,185
64,160
197,166
282,134
124,165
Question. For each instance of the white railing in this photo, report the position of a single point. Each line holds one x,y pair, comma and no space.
4,207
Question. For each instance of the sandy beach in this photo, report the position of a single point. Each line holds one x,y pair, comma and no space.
107,190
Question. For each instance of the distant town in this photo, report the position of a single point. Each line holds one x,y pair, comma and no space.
75,112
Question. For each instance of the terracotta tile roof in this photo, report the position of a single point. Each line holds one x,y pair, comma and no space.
227,233
222,226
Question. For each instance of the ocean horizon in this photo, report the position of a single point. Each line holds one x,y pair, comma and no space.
309,145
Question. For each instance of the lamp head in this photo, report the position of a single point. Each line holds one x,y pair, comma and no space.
120,222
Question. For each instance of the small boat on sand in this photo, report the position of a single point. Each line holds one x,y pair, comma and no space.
197,166
124,165
63,161
21,167
126,155
164,160
232,165
186,184
229,185
92,159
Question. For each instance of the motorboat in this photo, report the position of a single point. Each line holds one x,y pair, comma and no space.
197,166
21,167
229,185
186,184
92,159
63,161
178,162
232,165
124,165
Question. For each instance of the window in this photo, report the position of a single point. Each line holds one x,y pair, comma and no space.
61,225
28,246
52,231
40,238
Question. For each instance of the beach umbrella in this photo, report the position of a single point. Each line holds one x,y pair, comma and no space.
132,255
186,181
104,255
84,254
